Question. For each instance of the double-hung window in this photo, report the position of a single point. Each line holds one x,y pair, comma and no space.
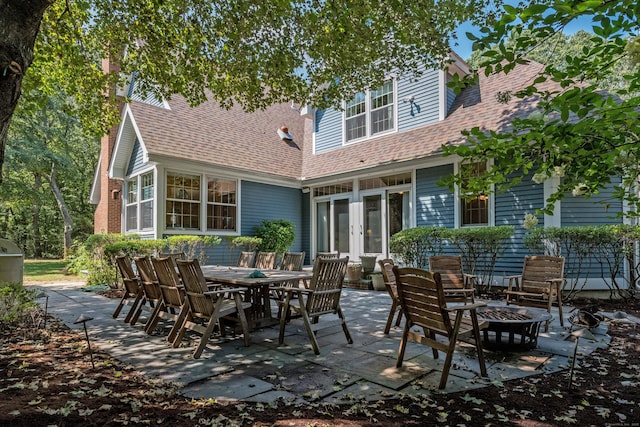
221,204
200,202
474,209
139,203
183,201
370,113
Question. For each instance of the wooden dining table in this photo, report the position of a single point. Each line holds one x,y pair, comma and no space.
257,287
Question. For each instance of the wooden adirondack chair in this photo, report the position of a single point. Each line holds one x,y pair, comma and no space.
133,294
423,302
150,286
539,285
205,307
322,297
171,308
386,267
458,286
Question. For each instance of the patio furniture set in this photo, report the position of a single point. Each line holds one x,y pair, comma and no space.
439,301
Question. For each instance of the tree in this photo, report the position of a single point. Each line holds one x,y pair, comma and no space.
50,163
580,134
253,53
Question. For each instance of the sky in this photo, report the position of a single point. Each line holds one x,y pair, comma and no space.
464,45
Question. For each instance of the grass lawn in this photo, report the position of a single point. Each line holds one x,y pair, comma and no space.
49,270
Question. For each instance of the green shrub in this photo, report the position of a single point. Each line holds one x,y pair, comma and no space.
413,246
275,235
192,246
246,243
479,248
16,302
585,248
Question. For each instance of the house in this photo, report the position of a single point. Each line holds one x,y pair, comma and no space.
347,178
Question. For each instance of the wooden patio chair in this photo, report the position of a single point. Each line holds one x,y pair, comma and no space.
133,294
322,297
175,255
246,259
171,307
205,307
423,302
458,285
291,261
539,285
386,267
150,286
266,260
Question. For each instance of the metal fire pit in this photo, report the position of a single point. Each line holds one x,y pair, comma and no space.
512,328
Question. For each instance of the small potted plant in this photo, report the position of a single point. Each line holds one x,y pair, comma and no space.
354,272
377,281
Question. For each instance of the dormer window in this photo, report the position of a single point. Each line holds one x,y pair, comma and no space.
370,113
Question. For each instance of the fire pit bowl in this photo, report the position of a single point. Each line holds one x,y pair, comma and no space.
512,328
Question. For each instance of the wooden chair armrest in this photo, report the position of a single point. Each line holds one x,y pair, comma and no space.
556,280
459,291
291,289
461,307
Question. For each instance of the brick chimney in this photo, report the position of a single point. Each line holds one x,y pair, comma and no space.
107,217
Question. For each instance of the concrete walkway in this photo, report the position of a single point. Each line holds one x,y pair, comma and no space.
264,372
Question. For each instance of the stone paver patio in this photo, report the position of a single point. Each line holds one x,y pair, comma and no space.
264,372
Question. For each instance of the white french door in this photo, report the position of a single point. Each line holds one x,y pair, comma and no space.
334,226
383,213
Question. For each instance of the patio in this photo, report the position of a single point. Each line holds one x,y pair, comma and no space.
264,372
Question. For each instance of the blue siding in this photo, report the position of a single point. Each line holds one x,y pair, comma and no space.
328,130
136,94
425,106
451,96
577,211
136,160
263,202
510,209
434,204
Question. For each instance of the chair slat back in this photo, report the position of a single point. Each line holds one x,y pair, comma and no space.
246,259
326,284
329,255
195,285
537,270
386,267
175,255
292,261
169,281
148,278
421,296
266,260
450,269
129,279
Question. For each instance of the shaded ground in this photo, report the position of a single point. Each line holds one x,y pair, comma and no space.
46,378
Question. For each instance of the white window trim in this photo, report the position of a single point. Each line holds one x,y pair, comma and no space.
458,205
125,192
204,179
368,110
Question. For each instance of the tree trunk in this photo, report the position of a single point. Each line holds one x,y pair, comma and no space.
35,217
19,26
68,222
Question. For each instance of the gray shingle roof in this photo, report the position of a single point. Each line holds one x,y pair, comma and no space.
249,141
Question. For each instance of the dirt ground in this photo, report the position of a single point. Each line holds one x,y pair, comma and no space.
47,379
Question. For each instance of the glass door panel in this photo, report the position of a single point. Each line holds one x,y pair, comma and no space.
323,226
341,226
399,211
372,224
